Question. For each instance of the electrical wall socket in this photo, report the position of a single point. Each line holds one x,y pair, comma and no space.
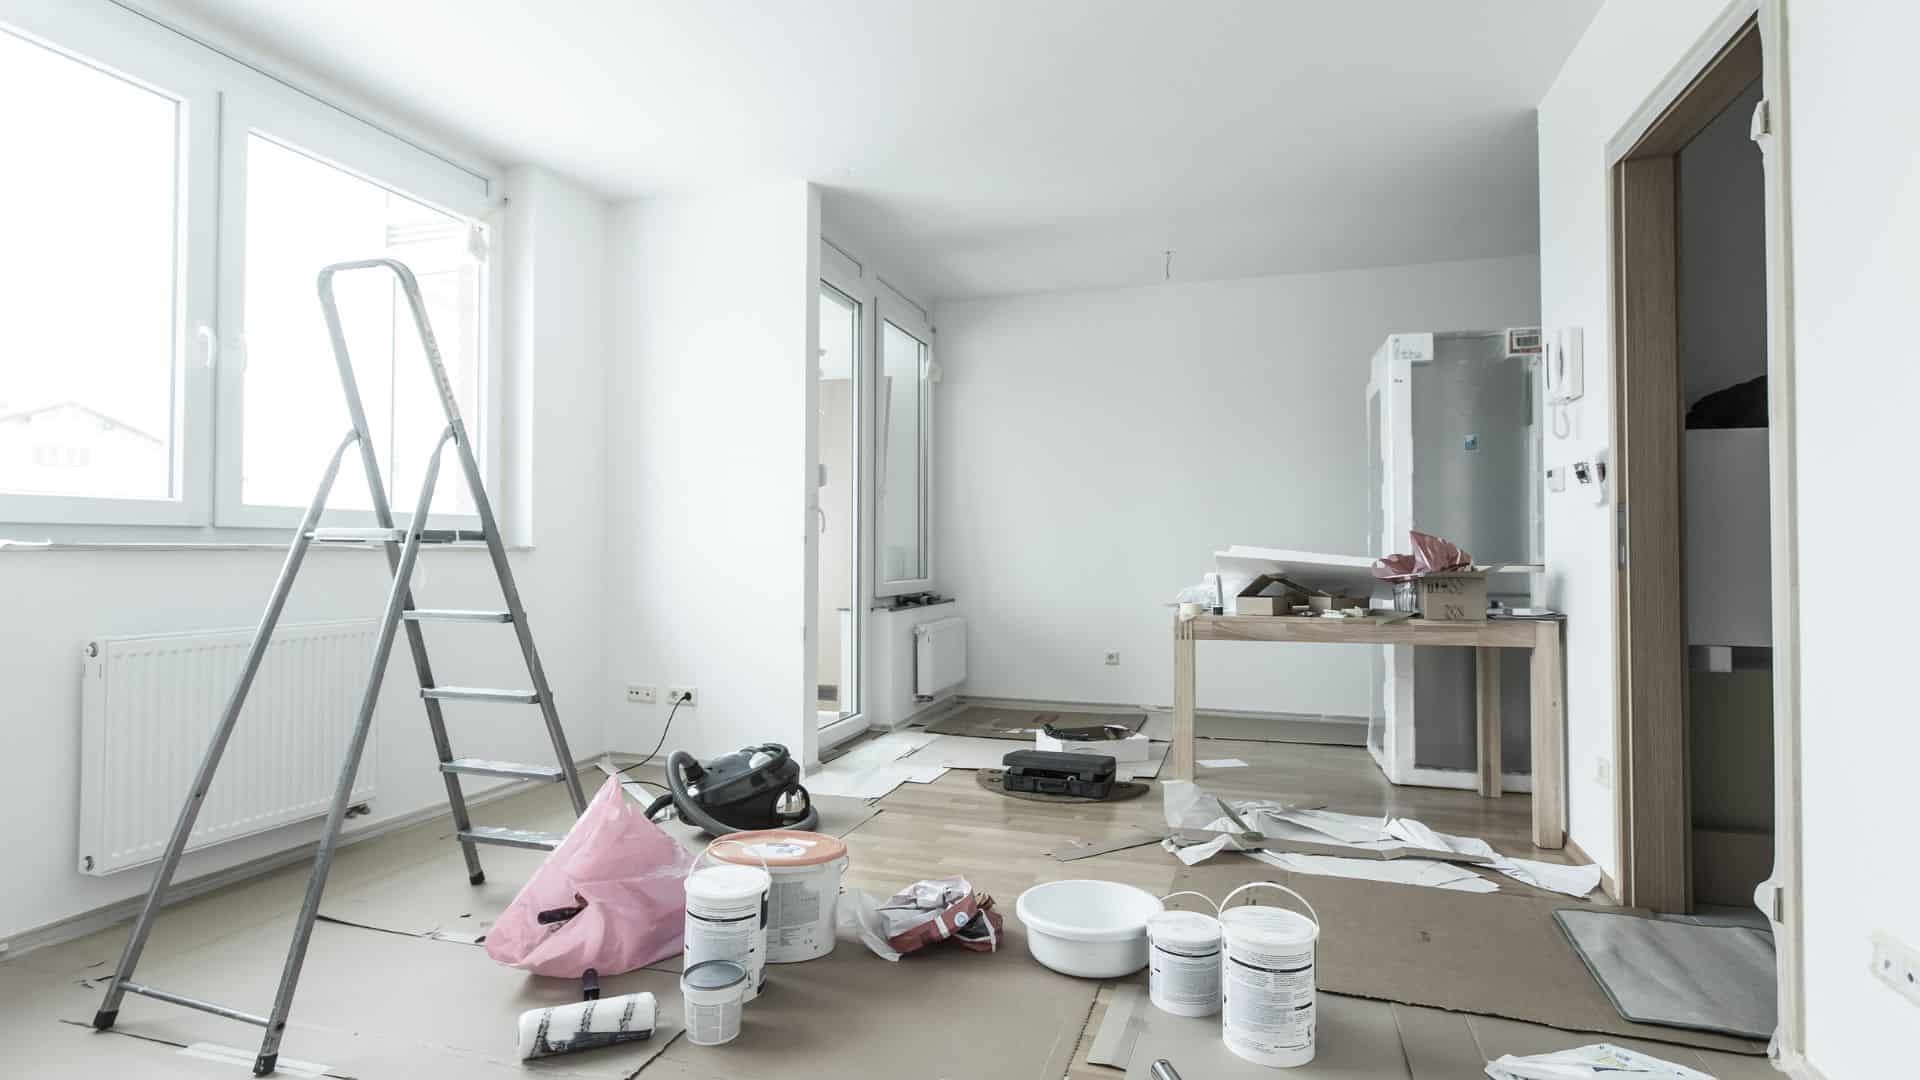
1603,772
1113,659
640,695
679,694
1897,964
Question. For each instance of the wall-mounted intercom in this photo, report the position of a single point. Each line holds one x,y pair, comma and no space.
1566,367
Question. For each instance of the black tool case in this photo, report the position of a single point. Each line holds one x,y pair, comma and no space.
1050,772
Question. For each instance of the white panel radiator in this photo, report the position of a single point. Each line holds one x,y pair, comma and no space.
150,704
939,657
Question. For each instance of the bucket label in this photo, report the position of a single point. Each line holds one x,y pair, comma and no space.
1269,1004
1185,982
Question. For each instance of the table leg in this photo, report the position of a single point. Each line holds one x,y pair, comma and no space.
1179,764
1549,726
1487,687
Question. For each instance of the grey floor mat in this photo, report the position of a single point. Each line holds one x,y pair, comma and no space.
1679,974
1019,725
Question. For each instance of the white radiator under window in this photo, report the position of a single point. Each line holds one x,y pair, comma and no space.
149,705
939,657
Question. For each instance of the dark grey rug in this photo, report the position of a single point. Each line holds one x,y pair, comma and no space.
1679,974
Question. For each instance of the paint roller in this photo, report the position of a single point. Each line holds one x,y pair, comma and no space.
587,1024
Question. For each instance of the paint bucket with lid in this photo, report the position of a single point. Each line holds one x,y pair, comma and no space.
1267,986
1183,960
727,918
713,991
805,868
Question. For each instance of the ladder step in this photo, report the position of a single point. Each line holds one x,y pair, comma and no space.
476,693
482,767
456,615
193,1003
395,536
520,838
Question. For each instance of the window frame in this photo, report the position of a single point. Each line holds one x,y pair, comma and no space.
343,143
143,55
222,98
911,319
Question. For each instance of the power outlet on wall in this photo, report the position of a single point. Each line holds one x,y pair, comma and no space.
640,695
1897,964
677,695
1603,772
1113,659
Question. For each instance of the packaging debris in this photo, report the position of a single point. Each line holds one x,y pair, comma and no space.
1587,1063
1203,825
919,915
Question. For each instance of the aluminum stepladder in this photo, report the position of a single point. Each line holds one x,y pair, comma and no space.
403,547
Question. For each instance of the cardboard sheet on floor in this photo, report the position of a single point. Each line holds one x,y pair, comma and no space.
938,1012
965,752
368,999
1498,953
1353,1038
1021,725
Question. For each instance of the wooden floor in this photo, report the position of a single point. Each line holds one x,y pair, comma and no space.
952,826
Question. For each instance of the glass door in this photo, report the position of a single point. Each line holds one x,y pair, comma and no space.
837,515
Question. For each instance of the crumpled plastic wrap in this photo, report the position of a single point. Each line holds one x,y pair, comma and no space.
1431,555
923,913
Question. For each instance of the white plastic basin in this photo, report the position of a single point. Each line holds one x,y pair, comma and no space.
1092,929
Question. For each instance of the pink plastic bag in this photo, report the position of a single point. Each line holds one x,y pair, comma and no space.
626,878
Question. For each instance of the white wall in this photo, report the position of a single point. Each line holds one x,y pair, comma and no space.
1096,448
1855,173
1626,53
710,402
56,601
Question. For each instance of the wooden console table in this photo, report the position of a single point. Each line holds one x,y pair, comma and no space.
1548,686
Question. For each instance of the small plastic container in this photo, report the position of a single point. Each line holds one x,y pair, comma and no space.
1268,989
727,919
1183,960
715,992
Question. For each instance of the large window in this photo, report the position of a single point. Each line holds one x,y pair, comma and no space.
166,362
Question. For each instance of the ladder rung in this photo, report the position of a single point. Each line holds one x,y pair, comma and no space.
395,536
520,838
193,1003
476,693
481,767
456,615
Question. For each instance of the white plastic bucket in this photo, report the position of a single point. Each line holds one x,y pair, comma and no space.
1183,960
805,868
1267,990
713,992
727,919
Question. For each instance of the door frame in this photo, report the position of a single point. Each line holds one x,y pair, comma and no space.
844,274
1653,830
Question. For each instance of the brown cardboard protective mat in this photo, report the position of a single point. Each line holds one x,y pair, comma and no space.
1498,954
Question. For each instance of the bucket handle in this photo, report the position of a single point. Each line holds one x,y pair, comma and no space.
1272,885
1190,892
707,853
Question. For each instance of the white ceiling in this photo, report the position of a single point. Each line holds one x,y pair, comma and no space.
975,147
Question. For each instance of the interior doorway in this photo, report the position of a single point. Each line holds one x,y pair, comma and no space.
1692,450
837,513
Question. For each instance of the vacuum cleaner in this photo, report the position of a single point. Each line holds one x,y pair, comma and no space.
757,787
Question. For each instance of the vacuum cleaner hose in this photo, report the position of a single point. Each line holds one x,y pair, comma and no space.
694,814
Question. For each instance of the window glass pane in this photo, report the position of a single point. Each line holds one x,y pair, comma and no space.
304,214
838,519
903,554
87,279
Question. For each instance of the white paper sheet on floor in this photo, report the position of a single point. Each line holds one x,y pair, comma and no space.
1186,804
875,767
1428,872
1600,1060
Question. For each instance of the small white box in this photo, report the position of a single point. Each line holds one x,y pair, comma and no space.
1135,747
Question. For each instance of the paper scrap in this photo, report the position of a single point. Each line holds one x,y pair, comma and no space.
233,1055
1427,872
1222,763
1587,1062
